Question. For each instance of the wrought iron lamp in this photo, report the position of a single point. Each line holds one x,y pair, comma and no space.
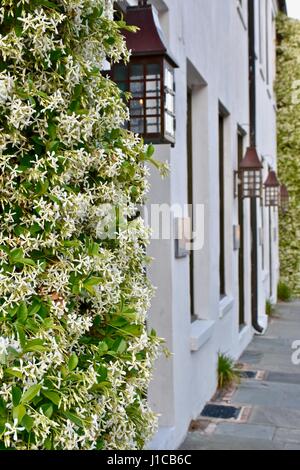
149,77
272,186
249,175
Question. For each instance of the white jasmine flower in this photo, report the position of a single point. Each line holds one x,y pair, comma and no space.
12,430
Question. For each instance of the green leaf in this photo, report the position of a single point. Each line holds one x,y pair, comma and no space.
48,443
101,374
21,335
110,41
27,422
22,312
74,418
42,187
53,396
91,282
15,255
19,412
53,146
26,261
15,373
52,131
73,361
47,409
34,308
46,3
150,150
2,408
119,345
102,348
35,345
31,393
16,395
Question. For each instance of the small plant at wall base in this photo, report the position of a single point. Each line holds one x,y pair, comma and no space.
75,354
284,293
227,374
269,308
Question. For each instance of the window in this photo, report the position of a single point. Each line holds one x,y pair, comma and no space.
222,207
262,237
190,189
267,29
261,34
240,144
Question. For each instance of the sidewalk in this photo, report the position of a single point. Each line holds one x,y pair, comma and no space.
268,404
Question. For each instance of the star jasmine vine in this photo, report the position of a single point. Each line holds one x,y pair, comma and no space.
75,354
288,101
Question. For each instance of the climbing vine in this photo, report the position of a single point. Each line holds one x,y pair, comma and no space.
288,99
75,354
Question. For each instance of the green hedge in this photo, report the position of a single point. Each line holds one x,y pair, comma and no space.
288,99
75,354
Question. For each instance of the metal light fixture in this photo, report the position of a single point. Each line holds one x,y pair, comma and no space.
149,77
249,175
284,198
272,190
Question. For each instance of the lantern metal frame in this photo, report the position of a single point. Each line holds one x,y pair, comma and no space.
149,77
249,176
272,193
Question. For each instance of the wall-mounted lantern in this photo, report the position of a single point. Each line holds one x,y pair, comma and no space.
249,175
149,77
272,190
284,198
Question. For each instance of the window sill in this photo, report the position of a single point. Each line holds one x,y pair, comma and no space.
201,332
225,305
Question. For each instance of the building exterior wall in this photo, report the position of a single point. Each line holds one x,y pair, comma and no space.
209,40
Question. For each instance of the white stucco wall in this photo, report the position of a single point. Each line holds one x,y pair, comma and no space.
209,40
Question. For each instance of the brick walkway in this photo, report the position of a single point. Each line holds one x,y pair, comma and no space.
269,403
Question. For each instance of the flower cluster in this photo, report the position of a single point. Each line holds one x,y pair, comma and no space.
75,353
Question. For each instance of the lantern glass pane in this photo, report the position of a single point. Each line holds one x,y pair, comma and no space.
137,72
169,124
153,88
252,183
153,72
137,89
120,72
170,105
169,77
137,125
272,196
123,86
137,107
152,106
153,125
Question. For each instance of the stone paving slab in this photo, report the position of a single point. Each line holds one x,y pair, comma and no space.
274,420
268,394
198,441
275,416
283,377
292,447
253,431
287,435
